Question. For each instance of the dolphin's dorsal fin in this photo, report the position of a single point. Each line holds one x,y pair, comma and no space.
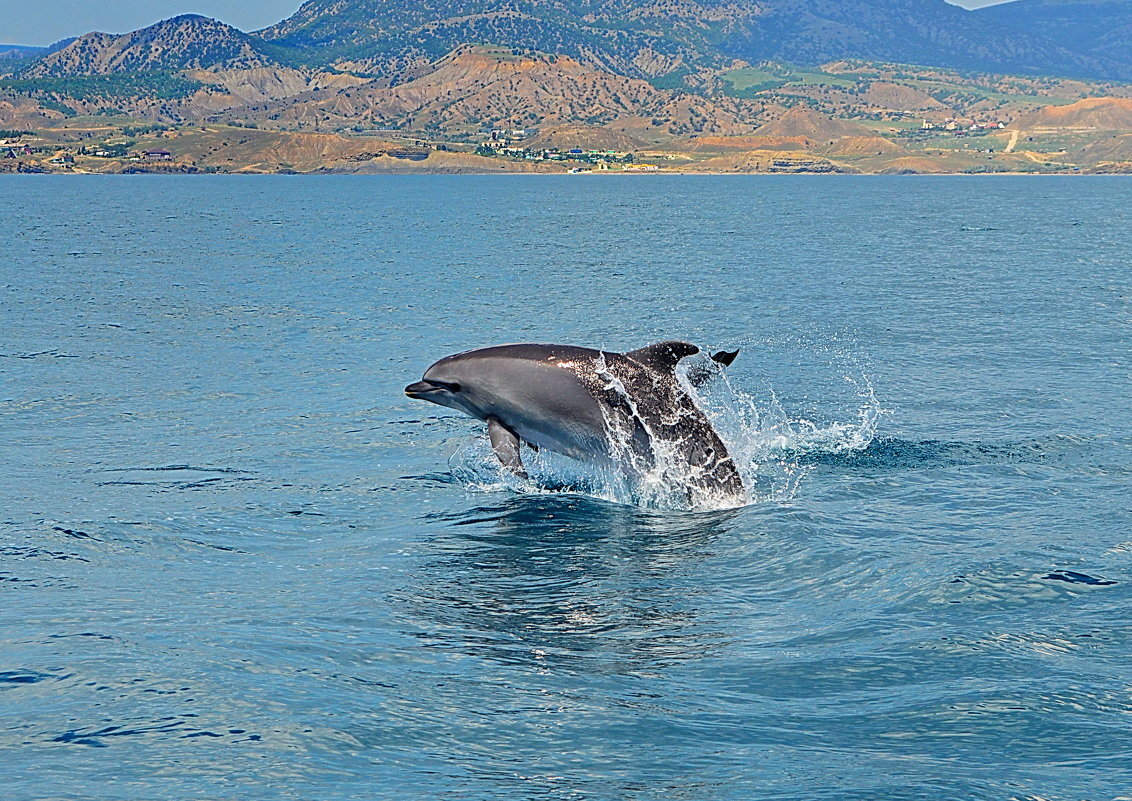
663,356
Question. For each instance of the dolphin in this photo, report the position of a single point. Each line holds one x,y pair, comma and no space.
621,410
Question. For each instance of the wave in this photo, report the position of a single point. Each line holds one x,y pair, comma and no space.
892,453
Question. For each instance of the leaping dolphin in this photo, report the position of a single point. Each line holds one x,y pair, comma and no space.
624,410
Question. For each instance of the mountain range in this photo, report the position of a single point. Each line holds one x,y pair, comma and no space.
659,40
186,42
815,85
1101,28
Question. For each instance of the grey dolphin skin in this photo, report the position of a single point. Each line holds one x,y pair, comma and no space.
612,409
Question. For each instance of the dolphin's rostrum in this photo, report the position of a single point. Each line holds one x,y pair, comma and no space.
626,411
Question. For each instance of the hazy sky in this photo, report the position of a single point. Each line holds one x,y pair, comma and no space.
41,22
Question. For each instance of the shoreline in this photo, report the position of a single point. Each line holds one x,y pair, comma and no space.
603,174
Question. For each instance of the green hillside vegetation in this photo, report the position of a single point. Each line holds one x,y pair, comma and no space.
14,65
952,88
953,93
747,82
159,85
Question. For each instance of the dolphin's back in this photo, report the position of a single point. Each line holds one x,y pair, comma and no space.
531,353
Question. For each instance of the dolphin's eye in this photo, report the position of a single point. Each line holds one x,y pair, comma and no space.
451,386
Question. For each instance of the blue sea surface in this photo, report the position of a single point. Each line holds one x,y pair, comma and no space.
236,562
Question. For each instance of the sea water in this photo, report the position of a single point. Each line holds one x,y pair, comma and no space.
238,563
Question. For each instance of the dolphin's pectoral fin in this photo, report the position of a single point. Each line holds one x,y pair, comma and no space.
506,447
725,357
663,356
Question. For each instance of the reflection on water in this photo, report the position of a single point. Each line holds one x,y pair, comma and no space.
568,584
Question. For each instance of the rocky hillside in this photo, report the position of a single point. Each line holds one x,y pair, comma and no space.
185,42
587,137
1110,149
1094,113
1100,27
391,37
803,121
10,51
474,87
929,32
658,38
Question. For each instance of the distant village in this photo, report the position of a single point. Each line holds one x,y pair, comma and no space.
20,146
962,127
507,143
25,145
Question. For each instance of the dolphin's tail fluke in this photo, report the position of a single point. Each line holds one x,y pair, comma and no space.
725,357
700,374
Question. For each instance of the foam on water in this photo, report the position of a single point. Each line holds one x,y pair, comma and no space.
768,445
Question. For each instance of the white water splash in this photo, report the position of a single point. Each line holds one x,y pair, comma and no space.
663,480
765,442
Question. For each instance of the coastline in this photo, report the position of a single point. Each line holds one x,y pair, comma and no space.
548,174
